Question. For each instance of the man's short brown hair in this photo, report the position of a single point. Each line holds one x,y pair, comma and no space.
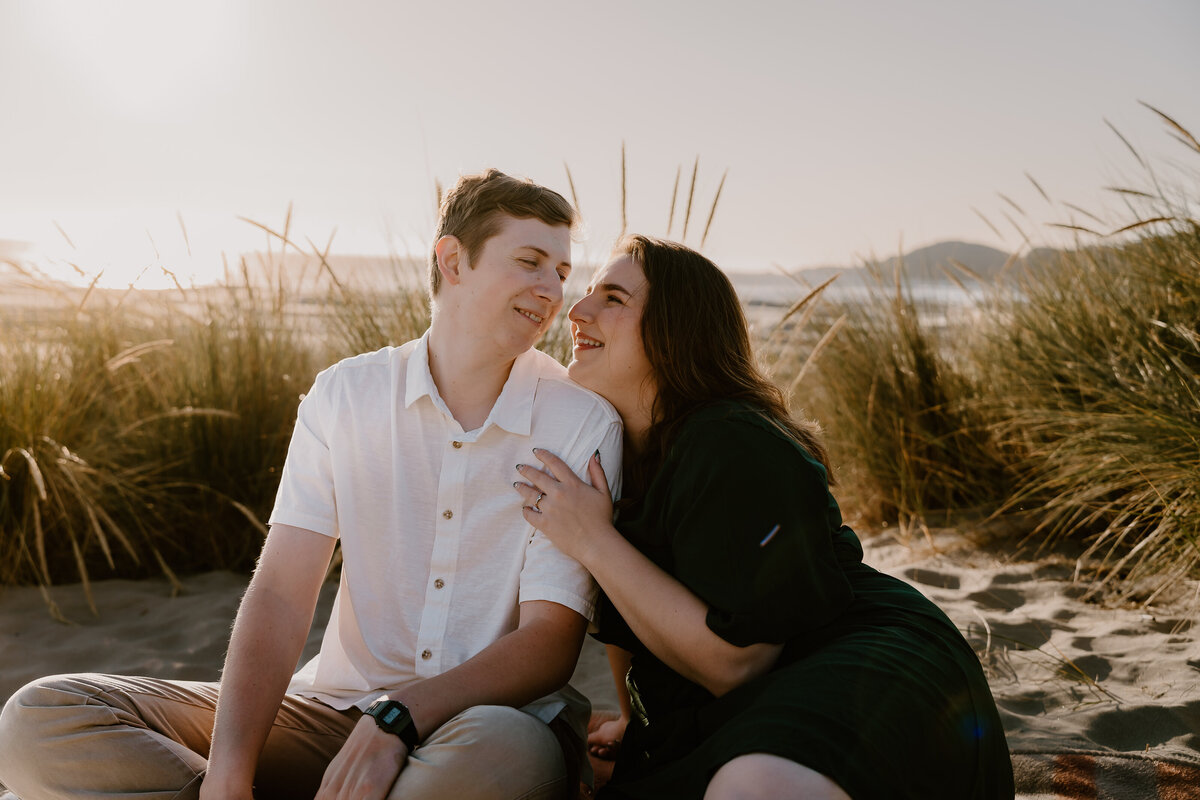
471,211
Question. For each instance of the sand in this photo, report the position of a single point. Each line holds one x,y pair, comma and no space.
1070,676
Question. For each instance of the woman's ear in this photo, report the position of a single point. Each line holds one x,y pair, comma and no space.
450,258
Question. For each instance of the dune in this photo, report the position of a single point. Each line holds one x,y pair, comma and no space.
1097,702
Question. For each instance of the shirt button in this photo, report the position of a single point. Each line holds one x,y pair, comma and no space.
456,445
448,513
439,583
426,655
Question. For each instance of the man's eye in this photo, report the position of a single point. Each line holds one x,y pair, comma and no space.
528,261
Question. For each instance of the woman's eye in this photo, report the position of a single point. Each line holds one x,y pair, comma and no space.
612,298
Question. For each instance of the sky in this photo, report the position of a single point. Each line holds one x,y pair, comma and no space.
844,130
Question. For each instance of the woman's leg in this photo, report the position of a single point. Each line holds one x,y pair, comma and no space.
759,776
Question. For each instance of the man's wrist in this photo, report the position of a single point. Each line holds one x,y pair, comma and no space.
393,717
219,785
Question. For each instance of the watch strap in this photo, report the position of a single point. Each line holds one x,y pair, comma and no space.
393,716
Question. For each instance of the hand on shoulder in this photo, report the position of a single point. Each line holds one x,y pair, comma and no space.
568,510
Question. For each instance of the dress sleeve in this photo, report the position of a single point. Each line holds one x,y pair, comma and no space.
746,518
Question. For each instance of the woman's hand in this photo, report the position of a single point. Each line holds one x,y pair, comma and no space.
562,506
606,729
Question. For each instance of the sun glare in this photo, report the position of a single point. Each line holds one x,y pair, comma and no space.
117,262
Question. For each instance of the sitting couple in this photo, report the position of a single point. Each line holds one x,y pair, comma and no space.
465,475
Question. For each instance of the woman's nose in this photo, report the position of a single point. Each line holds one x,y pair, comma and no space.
579,311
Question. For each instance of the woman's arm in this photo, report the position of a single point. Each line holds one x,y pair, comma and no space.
605,731
619,660
668,618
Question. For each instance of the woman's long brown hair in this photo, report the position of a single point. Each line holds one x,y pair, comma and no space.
696,339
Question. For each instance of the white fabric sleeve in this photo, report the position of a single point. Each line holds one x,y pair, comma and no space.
306,498
549,574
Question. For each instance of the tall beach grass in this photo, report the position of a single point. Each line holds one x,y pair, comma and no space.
143,433
1069,395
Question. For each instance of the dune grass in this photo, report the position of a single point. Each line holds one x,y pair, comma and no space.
1068,395
896,400
143,433
74,492
1093,372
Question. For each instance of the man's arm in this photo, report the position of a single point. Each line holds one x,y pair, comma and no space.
518,668
268,636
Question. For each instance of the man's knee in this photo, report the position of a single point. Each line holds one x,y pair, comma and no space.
486,751
34,713
27,709
488,718
510,731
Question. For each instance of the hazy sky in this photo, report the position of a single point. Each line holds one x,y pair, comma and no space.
846,128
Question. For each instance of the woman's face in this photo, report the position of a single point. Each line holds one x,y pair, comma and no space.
606,330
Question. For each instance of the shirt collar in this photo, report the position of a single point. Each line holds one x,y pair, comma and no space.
513,410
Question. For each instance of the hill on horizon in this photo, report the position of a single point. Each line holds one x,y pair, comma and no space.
935,262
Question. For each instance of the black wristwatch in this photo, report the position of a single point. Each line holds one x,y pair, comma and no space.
393,717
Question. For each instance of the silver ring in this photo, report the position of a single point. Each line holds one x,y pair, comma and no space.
535,502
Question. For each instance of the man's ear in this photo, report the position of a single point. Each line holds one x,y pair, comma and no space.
451,258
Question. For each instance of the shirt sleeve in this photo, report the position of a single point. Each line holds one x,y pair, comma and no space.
550,574
746,515
306,498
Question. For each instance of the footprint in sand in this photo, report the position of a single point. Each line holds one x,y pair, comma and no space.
998,598
929,577
1147,726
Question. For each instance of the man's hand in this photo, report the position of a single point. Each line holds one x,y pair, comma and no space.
366,766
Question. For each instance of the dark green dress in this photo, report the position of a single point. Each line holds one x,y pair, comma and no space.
875,687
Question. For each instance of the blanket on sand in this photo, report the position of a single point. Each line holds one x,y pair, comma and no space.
1105,776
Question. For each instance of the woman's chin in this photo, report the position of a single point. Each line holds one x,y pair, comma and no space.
579,374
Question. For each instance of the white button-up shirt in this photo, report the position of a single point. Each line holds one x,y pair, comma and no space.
436,554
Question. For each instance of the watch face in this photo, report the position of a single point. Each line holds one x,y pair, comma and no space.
391,716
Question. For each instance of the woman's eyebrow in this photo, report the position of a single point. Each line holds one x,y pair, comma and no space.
613,287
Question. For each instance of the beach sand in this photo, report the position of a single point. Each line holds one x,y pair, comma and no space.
1097,702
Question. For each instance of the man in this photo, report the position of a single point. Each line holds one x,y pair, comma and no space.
455,624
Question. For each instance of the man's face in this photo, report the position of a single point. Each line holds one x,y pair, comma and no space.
513,286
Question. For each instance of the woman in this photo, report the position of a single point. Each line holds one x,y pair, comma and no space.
767,659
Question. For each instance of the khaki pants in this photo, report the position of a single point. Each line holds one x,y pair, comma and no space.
111,736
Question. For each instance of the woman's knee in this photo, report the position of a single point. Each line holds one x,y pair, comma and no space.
759,776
